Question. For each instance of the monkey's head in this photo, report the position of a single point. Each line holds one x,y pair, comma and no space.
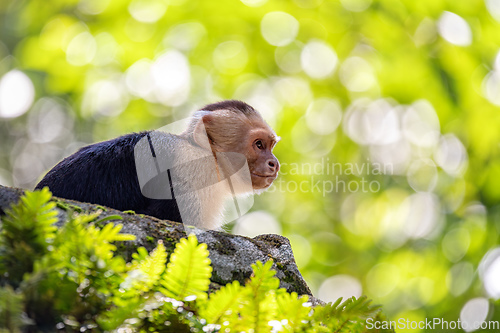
234,126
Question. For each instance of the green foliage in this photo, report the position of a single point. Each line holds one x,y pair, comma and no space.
189,270
349,315
78,282
11,310
258,306
222,303
293,309
26,233
149,266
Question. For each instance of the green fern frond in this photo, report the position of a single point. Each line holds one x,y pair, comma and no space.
222,303
263,279
27,231
139,256
82,246
31,219
90,236
143,276
110,233
292,308
259,305
346,316
146,272
255,313
189,271
11,310
85,267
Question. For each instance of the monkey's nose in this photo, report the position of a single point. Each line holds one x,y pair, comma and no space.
273,164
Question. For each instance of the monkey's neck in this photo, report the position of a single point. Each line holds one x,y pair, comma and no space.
212,205
217,169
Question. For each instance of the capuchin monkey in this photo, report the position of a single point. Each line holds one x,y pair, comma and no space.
202,171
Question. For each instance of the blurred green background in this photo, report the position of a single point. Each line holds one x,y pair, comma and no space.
388,112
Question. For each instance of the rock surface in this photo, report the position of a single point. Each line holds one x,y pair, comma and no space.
231,255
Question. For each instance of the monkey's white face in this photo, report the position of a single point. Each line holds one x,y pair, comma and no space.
263,165
228,131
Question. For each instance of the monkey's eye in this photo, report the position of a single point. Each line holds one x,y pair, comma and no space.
259,144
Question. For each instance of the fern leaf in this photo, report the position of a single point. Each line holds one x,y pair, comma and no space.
139,256
144,275
81,246
262,279
256,314
35,214
222,303
147,272
111,233
292,308
11,310
154,265
27,231
259,299
189,270
346,316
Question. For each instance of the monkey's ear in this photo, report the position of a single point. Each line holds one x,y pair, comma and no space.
200,134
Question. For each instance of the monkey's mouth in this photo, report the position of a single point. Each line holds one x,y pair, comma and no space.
262,181
273,176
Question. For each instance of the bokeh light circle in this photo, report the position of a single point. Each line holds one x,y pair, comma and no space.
489,271
318,59
257,223
16,94
230,57
339,286
323,116
454,29
279,28
473,313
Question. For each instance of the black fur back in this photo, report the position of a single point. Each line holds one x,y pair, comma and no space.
104,173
